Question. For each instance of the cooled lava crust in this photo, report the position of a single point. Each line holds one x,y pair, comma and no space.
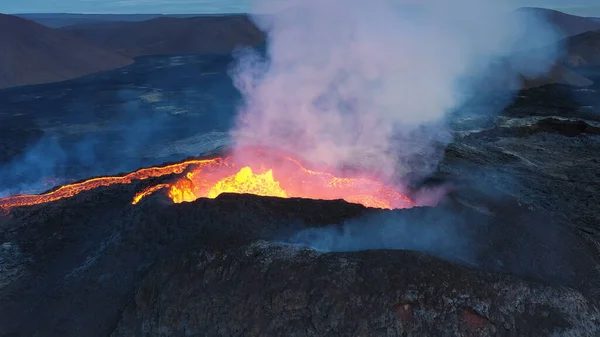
96,265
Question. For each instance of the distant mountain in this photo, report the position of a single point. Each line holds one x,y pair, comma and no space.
167,35
578,50
58,20
583,49
578,42
567,24
33,54
36,54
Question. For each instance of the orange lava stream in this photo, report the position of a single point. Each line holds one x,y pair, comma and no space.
277,176
284,178
70,190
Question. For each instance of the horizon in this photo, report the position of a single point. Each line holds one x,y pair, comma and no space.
578,11
586,8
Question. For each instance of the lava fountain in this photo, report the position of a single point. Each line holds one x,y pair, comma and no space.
263,173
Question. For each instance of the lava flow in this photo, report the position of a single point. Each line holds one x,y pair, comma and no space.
70,190
277,176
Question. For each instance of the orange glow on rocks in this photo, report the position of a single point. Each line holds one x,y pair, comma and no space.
69,190
277,176
271,175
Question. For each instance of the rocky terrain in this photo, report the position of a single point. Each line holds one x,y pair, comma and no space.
33,54
512,249
96,265
509,247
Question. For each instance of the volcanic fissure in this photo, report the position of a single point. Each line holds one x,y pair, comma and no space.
273,175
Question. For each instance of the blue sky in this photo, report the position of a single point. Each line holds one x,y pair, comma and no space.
578,7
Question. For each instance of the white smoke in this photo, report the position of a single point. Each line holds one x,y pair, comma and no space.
356,82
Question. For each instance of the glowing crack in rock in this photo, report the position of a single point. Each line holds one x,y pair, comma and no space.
273,175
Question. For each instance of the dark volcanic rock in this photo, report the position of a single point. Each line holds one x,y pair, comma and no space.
512,249
565,127
267,290
196,268
18,134
82,261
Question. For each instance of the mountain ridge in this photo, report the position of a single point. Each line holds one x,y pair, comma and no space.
172,36
35,54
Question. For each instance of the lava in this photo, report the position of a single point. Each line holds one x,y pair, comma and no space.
265,175
277,176
245,181
69,190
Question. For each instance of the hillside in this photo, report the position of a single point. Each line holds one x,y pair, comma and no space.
110,43
167,35
567,24
583,49
58,20
579,41
34,54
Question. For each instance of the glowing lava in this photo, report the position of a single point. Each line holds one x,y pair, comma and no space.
69,190
277,176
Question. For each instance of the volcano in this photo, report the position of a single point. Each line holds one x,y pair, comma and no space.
274,174
186,247
95,265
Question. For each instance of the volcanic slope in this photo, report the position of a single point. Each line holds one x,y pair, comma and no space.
34,54
526,262
149,268
273,175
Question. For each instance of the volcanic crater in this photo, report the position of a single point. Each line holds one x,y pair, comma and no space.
102,262
274,174
510,245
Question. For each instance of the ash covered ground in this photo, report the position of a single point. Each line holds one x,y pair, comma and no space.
512,249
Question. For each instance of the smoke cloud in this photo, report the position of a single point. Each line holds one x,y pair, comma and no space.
436,231
522,243
149,113
371,84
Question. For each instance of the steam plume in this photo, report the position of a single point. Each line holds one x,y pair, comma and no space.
437,232
355,83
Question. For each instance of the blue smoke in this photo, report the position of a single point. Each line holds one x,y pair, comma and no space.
433,231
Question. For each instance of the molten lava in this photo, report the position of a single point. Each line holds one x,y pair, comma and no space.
277,176
245,181
70,190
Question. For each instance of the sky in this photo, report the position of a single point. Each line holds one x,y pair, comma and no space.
577,7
